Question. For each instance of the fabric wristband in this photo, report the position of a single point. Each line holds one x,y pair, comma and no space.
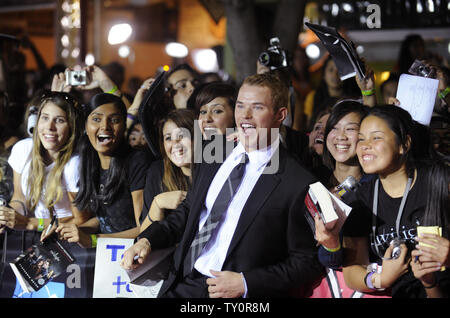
444,93
113,90
368,92
368,280
333,250
131,116
93,240
40,227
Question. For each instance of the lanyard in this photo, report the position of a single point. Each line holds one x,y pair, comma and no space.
375,211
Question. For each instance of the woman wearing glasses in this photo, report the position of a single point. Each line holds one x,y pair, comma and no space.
45,168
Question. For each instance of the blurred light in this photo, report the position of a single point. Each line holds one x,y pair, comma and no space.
119,33
89,59
419,7
334,9
448,47
65,21
66,7
384,76
360,49
75,52
65,53
166,68
124,51
431,5
312,51
347,7
177,50
65,40
362,19
205,60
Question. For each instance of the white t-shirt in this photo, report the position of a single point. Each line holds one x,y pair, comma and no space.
20,160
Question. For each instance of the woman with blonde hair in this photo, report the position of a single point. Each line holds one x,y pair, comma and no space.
45,167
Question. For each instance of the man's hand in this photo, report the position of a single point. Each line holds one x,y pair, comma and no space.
141,249
225,285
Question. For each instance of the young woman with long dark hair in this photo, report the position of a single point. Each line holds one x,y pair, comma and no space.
112,175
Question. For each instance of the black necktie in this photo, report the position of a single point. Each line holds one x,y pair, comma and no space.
220,205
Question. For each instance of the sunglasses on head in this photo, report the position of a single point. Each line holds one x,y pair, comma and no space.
69,98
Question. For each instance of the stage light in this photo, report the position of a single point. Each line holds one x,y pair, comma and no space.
166,68
176,50
119,33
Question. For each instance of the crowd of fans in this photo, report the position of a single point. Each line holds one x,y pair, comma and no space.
81,153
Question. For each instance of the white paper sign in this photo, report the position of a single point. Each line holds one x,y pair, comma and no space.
110,279
417,95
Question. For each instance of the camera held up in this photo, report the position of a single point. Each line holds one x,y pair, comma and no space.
76,78
275,56
420,69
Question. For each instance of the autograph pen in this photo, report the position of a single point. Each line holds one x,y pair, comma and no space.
51,224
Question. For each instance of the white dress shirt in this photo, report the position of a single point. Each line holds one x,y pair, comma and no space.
214,253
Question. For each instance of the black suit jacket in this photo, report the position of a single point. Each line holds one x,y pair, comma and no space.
272,245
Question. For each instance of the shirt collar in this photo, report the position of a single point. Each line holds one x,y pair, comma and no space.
258,157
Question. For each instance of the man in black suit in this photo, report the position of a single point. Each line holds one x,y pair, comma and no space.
262,245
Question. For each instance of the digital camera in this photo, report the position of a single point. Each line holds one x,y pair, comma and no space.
349,184
420,69
76,78
274,57
396,242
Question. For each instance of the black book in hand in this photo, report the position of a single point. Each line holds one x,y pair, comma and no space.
40,263
343,53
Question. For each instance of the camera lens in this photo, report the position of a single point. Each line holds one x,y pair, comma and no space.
271,59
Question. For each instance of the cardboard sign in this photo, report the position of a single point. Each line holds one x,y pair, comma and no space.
110,279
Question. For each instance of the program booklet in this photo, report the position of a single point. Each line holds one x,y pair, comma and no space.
40,263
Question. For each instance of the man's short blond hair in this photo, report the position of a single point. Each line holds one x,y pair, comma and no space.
279,91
